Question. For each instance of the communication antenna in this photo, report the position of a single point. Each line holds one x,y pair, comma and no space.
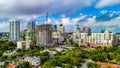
46,18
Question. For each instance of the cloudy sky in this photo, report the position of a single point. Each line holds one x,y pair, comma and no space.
96,14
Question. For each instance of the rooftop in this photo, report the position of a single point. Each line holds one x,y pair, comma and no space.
34,59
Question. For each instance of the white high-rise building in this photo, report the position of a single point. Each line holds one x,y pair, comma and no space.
14,30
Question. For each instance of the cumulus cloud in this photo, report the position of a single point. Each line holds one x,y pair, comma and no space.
92,22
105,3
30,7
89,21
107,15
96,25
83,20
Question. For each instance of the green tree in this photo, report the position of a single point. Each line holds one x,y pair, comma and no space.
48,65
43,59
5,64
68,66
19,50
93,65
13,56
76,45
1,53
45,54
24,65
4,57
97,57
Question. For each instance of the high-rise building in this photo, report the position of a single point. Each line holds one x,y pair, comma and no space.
55,28
44,34
87,30
30,33
61,29
31,24
14,30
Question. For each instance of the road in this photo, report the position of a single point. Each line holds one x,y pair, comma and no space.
84,65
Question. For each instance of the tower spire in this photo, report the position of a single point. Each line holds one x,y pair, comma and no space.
46,18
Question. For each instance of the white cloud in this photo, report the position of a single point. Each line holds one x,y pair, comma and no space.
104,11
89,22
69,23
31,7
105,3
96,25
66,21
75,20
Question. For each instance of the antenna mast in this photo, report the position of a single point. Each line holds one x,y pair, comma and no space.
46,18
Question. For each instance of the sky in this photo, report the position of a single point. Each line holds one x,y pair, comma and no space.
96,14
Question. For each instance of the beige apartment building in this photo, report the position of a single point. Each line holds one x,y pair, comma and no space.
44,34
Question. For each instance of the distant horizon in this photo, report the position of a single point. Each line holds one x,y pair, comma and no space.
71,31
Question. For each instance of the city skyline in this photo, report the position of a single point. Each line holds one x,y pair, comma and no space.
96,14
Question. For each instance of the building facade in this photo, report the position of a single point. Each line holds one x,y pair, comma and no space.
4,36
61,29
31,24
116,39
104,38
87,30
76,28
24,44
31,30
14,31
44,34
55,28
29,35
35,61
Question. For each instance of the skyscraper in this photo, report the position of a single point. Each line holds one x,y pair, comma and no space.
55,28
61,29
31,24
14,30
30,33
44,34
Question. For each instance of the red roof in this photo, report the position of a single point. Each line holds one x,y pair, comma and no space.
107,64
11,65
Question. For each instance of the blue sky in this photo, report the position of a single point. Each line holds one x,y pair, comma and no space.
96,14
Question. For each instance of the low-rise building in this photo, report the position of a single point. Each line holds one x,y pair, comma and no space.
116,39
4,36
57,38
24,44
11,65
35,61
1,63
52,54
59,49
